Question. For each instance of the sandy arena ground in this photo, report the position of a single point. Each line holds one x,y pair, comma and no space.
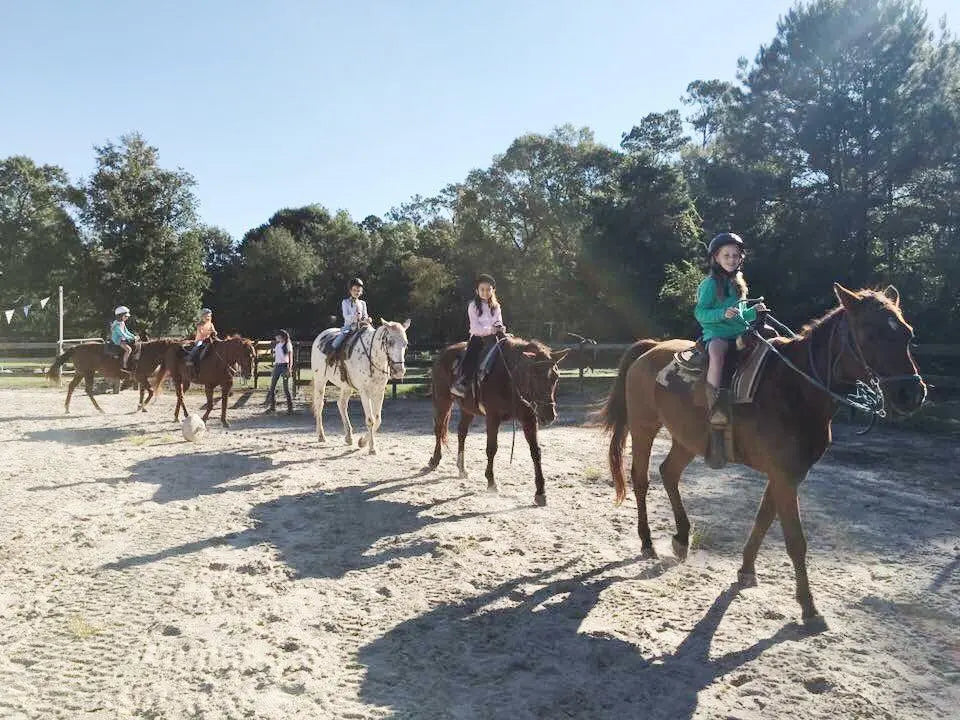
259,575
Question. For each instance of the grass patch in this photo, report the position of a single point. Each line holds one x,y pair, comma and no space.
700,539
592,474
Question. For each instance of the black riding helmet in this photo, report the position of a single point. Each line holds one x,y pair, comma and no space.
722,239
356,282
484,278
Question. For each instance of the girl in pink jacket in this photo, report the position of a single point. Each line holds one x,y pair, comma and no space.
485,319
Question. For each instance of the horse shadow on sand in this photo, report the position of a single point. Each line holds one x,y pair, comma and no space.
479,659
186,477
328,533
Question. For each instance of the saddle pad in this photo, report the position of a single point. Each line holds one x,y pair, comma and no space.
677,378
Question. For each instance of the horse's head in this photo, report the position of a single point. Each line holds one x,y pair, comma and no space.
246,356
395,345
537,378
881,343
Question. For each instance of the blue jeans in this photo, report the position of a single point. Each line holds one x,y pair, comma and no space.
338,340
278,372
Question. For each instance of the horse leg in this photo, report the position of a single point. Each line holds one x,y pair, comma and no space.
88,386
372,407
319,388
747,575
77,379
493,431
462,428
343,405
670,470
209,407
530,433
223,402
785,499
640,478
442,405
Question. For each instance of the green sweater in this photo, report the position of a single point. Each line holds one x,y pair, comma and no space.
710,309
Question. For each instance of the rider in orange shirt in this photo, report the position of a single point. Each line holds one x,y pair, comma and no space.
205,331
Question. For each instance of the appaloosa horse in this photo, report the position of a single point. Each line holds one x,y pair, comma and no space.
521,384
782,433
371,358
91,358
223,361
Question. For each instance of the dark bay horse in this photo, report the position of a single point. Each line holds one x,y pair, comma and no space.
522,384
90,358
782,433
224,359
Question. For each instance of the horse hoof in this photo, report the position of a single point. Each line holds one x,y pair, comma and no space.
679,549
348,441
492,488
648,553
746,579
814,623
321,439
225,423
463,474
363,441
432,465
540,499
373,451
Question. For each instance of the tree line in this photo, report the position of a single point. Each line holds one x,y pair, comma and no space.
835,154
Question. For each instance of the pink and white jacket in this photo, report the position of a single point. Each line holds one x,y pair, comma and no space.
485,321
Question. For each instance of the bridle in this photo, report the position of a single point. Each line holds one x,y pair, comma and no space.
532,405
384,341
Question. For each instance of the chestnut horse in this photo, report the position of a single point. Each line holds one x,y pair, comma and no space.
90,358
522,385
224,359
782,433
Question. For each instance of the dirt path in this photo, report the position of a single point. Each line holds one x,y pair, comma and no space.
258,575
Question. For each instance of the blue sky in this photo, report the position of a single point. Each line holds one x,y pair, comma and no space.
354,105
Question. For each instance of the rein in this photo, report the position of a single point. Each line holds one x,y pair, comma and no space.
368,351
867,396
532,405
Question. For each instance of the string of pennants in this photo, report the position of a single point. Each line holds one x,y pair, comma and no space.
10,314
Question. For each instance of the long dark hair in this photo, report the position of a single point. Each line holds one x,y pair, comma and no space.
478,301
288,346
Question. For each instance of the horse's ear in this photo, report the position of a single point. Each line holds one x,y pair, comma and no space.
559,356
382,321
893,295
846,297
406,323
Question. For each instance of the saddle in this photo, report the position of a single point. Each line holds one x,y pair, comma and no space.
112,350
743,368
488,357
339,356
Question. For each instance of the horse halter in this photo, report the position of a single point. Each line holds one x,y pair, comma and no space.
533,405
368,351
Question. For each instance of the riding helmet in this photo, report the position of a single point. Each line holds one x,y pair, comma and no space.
205,311
356,282
122,310
725,238
484,278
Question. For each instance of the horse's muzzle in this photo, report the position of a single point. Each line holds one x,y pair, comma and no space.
906,396
398,373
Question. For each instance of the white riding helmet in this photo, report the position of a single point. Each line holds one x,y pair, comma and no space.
122,310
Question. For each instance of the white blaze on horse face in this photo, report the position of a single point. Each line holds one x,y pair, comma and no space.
396,351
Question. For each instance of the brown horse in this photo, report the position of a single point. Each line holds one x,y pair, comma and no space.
218,367
90,358
522,385
782,433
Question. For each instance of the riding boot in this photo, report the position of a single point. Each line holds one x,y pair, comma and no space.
289,407
459,387
718,416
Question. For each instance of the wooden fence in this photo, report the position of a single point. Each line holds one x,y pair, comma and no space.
939,363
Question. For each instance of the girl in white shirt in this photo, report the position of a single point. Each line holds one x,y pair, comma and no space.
354,312
485,319
282,363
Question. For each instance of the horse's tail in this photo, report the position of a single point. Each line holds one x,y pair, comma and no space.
613,414
53,374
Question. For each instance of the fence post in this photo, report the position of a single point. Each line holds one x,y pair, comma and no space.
393,384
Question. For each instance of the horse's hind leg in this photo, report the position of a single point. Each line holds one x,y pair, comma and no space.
747,575
442,406
319,388
88,386
462,428
642,443
343,405
670,470
77,379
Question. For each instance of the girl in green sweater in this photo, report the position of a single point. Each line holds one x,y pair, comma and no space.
723,314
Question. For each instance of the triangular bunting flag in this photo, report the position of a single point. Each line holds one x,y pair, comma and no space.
26,310
9,314
43,303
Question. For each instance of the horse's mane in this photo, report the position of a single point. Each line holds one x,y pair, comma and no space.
873,297
534,346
